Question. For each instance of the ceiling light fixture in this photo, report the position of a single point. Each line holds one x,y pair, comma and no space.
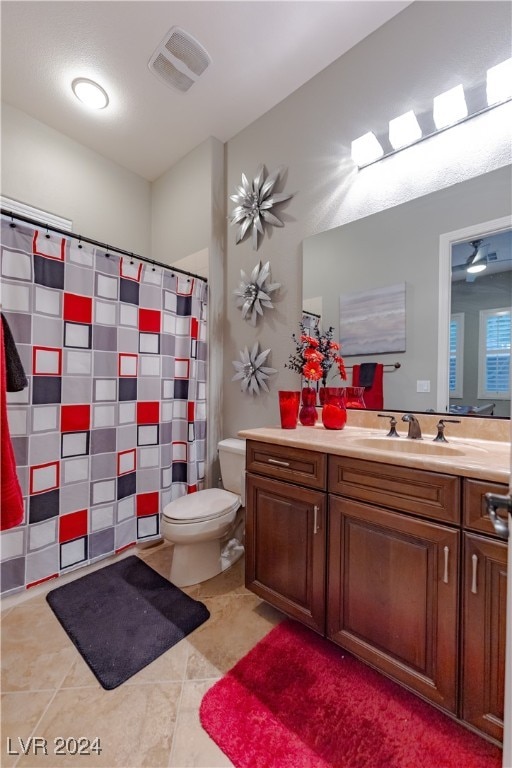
90,93
448,109
477,261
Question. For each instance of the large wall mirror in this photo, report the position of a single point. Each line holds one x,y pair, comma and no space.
407,246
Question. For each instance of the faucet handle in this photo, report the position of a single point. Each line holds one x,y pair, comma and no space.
440,438
392,424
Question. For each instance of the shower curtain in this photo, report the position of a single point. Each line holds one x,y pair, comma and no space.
112,425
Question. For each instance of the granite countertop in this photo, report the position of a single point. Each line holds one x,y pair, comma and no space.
364,437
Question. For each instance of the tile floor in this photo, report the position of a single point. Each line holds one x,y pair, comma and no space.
151,720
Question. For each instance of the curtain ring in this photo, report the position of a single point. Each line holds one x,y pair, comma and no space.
107,254
47,233
80,241
131,258
12,224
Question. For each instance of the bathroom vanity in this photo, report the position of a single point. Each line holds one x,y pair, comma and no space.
386,549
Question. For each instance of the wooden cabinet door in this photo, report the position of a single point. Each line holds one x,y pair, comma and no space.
483,638
393,595
285,548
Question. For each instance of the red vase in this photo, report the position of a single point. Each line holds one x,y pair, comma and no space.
307,414
334,412
355,397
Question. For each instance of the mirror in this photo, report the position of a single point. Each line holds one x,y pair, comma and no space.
402,245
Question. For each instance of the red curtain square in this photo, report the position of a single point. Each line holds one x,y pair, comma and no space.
149,320
148,413
77,309
194,327
147,504
75,418
73,526
190,409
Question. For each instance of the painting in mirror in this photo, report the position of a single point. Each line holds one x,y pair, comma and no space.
402,245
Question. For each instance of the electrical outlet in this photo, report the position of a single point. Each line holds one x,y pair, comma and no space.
423,386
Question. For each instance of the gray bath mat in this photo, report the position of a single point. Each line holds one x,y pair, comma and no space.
124,616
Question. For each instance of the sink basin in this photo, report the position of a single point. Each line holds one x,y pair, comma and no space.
404,445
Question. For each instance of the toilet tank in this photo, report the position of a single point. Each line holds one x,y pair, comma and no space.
232,464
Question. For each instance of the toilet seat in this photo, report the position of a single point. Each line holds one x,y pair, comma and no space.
201,506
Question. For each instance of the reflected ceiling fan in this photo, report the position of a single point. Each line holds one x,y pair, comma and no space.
476,261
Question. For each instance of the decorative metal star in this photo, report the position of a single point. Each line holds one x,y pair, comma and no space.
251,371
253,292
254,203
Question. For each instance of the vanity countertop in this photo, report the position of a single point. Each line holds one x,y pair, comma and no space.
364,437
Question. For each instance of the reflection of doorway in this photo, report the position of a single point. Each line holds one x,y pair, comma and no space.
474,319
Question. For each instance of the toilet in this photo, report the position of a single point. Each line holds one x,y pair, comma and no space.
207,527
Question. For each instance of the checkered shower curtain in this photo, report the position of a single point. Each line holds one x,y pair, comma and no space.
113,423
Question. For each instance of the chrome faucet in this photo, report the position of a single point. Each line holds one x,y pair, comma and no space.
414,426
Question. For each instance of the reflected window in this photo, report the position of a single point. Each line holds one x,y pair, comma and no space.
494,354
456,354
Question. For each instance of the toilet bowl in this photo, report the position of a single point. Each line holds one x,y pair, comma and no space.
207,527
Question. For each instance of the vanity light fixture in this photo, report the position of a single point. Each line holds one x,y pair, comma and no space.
448,109
366,149
90,93
404,130
499,83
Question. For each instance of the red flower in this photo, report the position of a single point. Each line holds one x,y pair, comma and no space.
312,371
313,355
309,340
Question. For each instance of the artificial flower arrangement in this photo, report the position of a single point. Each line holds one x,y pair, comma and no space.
315,354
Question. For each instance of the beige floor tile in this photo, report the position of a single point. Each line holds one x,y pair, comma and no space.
192,747
20,714
134,724
231,582
36,652
235,625
151,720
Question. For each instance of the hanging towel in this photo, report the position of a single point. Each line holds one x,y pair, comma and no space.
367,374
16,379
11,496
373,395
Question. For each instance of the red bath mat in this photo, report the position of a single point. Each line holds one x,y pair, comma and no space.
298,701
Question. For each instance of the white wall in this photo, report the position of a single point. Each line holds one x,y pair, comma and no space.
188,215
426,49
45,169
181,206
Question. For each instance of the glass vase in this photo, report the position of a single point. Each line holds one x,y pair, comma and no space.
334,412
354,397
308,415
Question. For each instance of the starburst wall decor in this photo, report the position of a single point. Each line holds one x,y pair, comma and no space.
255,202
251,371
253,293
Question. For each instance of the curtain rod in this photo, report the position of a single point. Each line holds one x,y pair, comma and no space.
89,240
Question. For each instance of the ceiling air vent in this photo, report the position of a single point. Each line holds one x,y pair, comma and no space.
179,60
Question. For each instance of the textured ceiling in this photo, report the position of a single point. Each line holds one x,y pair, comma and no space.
261,52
